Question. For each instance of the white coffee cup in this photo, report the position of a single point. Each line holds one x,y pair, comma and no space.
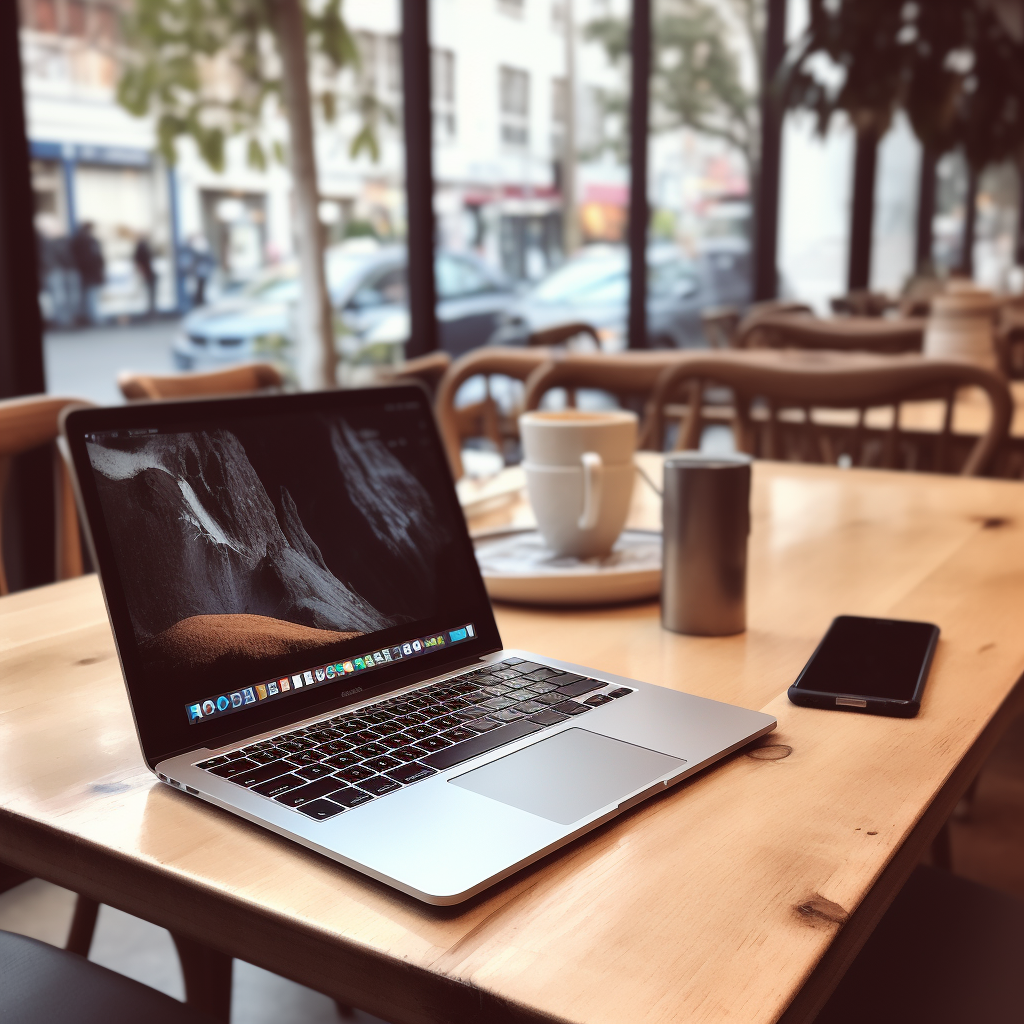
579,475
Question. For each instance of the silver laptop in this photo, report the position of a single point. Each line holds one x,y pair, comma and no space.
307,642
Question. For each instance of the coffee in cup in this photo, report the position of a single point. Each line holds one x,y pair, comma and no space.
579,476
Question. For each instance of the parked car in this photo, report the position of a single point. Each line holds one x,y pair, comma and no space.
593,287
368,287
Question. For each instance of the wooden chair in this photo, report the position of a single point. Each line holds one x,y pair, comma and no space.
846,334
428,370
560,334
481,419
27,423
774,395
235,380
630,376
720,324
863,303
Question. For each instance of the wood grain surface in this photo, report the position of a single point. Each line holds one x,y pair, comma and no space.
712,903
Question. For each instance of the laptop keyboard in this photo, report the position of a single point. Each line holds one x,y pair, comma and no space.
324,769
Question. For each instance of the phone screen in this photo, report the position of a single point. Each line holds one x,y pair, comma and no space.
869,658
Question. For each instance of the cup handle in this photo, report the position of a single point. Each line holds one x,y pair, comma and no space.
593,479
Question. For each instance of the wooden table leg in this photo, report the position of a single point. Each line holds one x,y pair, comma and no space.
207,974
83,926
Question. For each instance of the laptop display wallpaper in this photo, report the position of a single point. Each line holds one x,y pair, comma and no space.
263,544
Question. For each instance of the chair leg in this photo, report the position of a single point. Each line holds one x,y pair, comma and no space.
83,926
207,974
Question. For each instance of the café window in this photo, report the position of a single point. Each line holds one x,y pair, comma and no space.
442,88
515,107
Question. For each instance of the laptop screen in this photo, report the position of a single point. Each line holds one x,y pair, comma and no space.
264,556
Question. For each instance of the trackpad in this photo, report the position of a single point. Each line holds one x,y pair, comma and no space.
569,776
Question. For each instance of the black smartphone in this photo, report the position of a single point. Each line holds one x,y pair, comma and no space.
874,666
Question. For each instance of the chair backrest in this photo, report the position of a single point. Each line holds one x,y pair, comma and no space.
774,394
623,374
517,363
549,337
844,334
27,423
428,369
236,380
720,324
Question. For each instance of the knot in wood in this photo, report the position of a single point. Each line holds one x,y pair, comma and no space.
818,910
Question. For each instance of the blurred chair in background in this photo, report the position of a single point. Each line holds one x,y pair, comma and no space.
781,403
237,380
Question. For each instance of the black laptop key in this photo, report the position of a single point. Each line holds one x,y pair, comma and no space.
513,661
480,745
280,785
622,691
482,724
335,747
529,707
213,762
542,673
315,771
350,797
387,728
263,756
232,768
411,719
446,722
321,810
393,742
410,773
363,736
526,667
548,698
548,717
420,732
544,686
291,746
407,754
373,717
371,750
497,703
597,700
234,755
262,773
306,757
570,707
314,791
458,735
508,715
379,785
579,687
342,760
355,773
382,764
432,743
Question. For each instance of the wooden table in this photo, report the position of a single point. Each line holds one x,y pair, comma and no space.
739,896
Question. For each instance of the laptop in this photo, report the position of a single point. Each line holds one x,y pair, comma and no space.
307,642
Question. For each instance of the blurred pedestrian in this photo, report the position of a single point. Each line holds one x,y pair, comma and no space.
87,256
202,267
143,259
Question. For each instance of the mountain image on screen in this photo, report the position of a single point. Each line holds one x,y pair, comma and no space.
218,566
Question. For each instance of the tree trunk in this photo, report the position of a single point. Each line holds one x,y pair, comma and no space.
317,356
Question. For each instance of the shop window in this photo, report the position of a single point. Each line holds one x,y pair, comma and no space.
442,87
515,107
